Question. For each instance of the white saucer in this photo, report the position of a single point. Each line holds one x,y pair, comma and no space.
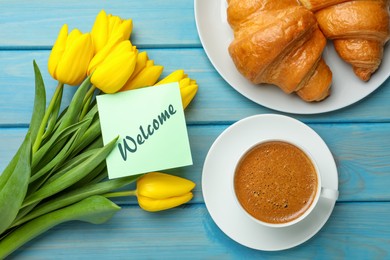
219,167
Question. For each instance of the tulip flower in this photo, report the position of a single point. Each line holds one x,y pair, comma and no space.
148,76
107,27
158,191
142,60
175,76
70,56
188,87
110,73
188,92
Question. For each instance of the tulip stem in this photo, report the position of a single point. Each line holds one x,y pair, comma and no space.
46,117
121,194
87,101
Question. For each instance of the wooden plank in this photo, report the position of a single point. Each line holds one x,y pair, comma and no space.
26,24
361,152
216,102
354,230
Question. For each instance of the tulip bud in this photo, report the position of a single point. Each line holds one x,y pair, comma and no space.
146,77
106,27
175,76
70,56
102,54
142,60
112,72
184,82
153,205
188,87
159,191
187,94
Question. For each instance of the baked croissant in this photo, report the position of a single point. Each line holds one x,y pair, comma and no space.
279,43
359,30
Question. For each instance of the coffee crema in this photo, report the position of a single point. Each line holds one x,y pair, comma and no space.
275,182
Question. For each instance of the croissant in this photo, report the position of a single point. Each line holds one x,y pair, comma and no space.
279,43
359,30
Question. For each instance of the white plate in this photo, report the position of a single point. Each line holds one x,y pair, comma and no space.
217,184
216,35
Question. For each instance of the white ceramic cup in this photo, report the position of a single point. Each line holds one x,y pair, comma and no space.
321,191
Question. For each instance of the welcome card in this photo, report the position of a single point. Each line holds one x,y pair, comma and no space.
151,127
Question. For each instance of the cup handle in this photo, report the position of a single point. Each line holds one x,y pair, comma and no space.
329,193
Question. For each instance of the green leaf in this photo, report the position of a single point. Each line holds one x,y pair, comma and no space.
14,191
54,114
64,152
9,170
23,212
58,159
49,147
87,133
43,122
71,177
77,195
97,143
95,210
89,136
74,109
39,103
37,115
101,168
70,164
102,176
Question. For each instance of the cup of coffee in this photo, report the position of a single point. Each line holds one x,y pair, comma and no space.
277,183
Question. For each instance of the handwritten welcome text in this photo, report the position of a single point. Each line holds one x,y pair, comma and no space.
131,144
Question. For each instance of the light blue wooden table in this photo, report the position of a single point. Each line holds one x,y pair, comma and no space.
358,136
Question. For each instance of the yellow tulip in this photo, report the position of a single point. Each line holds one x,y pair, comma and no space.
187,94
110,73
159,191
100,56
148,76
142,60
188,87
70,56
107,27
175,76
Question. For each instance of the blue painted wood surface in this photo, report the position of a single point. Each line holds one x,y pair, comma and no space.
358,136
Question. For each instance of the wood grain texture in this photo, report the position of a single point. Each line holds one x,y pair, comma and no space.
35,24
215,103
189,232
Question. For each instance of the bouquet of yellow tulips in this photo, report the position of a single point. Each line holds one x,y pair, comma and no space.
59,172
